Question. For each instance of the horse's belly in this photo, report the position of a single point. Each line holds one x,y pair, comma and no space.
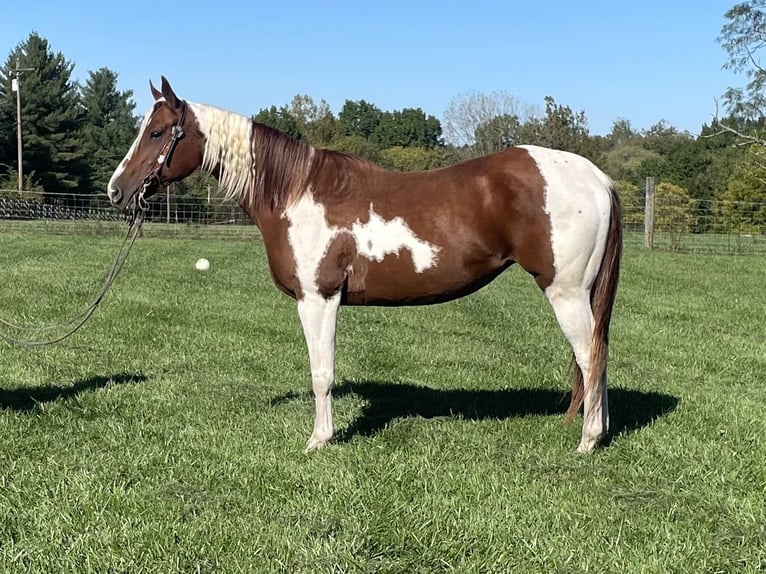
394,281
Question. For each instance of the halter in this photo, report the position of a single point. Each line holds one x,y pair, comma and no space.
176,133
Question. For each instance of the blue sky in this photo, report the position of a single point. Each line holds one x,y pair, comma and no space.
643,61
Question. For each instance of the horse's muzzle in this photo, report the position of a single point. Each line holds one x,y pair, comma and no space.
115,196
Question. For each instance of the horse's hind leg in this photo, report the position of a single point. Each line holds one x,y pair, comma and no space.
318,317
573,311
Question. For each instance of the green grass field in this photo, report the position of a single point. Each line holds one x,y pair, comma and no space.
167,436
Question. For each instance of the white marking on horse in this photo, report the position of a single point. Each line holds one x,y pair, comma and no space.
378,238
578,201
310,236
318,318
579,217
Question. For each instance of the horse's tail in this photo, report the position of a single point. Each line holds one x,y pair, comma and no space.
602,297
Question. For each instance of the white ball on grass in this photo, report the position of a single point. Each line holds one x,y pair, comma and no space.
202,264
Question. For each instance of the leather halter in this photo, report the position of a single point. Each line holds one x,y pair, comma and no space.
165,155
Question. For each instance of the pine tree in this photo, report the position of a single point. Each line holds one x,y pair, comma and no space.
109,127
51,118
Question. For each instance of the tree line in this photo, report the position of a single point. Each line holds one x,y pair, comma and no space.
75,134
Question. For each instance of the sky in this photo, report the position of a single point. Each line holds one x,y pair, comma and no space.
643,61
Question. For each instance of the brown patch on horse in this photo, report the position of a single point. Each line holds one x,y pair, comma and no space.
531,243
281,262
334,267
356,283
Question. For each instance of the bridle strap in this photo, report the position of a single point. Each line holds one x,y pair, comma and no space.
166,153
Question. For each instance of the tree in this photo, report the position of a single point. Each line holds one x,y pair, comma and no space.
357,145
684,160
560,128
412,158
742,205
109,126
742,37
51,118
723,158
280,119
7,125
622,133
661,137
359,118
633,200
498,133
629,163
674,212
478,123
315,121
9,181
409,127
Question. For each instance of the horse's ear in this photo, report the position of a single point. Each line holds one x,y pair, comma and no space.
155,92
169,94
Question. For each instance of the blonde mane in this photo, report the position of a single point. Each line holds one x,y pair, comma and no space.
228,149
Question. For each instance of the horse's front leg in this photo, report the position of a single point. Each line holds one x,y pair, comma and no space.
318,317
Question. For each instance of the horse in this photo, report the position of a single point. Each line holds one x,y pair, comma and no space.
339,230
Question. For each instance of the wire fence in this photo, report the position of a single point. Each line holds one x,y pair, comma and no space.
687,225
168,216
680,223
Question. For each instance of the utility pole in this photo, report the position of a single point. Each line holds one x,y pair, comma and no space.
16,87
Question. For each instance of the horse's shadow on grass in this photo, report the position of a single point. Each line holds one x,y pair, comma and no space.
387,401
25,399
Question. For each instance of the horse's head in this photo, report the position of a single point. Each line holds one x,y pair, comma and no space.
168,148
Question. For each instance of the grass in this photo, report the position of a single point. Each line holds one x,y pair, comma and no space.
167,435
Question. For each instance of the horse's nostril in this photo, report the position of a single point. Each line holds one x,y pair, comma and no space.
115,194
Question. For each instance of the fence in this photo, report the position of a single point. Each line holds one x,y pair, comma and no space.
168,215
678,223
669,219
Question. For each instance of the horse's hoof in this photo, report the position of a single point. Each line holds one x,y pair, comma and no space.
314,444
587,445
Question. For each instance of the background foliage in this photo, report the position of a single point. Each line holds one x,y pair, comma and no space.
74,135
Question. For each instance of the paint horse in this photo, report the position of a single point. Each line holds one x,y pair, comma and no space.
339,230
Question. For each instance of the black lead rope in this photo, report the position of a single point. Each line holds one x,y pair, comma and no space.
82,317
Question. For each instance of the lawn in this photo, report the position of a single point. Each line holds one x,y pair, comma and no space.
167,435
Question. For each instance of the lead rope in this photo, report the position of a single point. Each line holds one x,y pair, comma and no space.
82,317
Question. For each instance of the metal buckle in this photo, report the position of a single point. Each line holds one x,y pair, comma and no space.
141,202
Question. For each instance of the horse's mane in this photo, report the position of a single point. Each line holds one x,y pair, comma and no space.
260,166
281,166
285,168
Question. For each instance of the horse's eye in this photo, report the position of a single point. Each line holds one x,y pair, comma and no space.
156,134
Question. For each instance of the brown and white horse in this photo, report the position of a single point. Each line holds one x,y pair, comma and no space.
340,230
